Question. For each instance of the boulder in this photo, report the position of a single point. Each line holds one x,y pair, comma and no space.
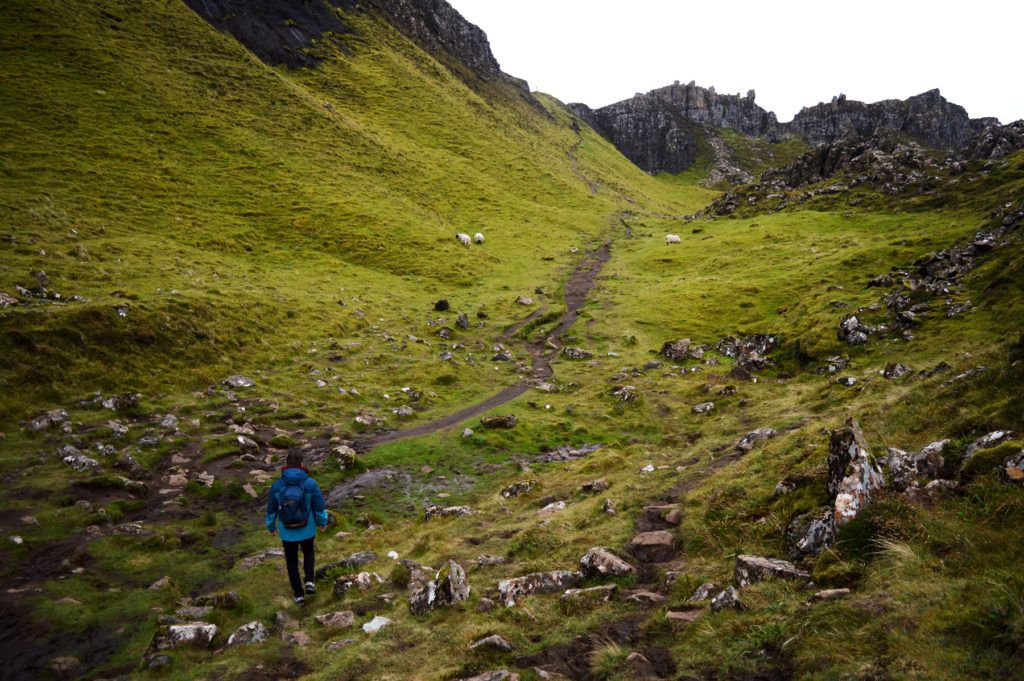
253,632
447,511
599,485
853,477
198,634
728,599
896,370
342,619
703,408
514,590
601,562
493,642
449,587
517,488
503,421
576,353
653,547
237,381
377,623
752,569
747,442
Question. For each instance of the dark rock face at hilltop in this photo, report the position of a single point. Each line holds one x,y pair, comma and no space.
281,31
658,130
928,118
276,31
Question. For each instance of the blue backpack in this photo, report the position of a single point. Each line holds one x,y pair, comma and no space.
293,506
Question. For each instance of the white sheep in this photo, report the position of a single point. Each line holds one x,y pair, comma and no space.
463,238
478,237
672,239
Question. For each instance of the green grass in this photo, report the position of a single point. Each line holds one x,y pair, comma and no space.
217,218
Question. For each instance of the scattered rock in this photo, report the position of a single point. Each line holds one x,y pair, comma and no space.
626,393
853,476
296,638
254,560
599,485
729,599
608,507
577,353
830,595
499,675
342,619
237,382
82,463
896,370
253,632
753,569
354,561
684,616
703,408
704,592
644,597
502,421
552,508
342,643
518,488
484,560
485,605
198,634
847,381
466,432
449,587
748,441
161,584
524,300
601,562
377,623
447,511
514,590
494,642
653,547
222,600
604,592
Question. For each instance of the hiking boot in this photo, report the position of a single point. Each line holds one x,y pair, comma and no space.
300,600
310,588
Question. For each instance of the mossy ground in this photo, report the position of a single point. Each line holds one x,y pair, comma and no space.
219,219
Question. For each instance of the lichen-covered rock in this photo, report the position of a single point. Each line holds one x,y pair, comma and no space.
703,408
626,393
896,370
494,642
222,600
1013,468
362,581
653,547
342,619
438,511
728,599
345,457
576,353
449,587
81,463
253,632
198,634
679,350
516,589
237,382
601,562
704,592
988,441
503,421
599,485
747,442
517,488
753,569
853,476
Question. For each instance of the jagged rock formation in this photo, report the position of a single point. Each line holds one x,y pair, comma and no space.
658,130
928,118
664,129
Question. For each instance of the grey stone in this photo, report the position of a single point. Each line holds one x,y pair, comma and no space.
704,592
728,599
253,632
198,634
342,619
494,642
438,511
753,569
238,381
747,442
601,562
653,547
518,488
514,590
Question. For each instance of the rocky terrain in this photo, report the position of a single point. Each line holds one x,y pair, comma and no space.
785,443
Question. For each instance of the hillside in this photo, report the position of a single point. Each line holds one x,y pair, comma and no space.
784,445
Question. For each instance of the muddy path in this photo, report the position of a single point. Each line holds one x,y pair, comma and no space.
577,288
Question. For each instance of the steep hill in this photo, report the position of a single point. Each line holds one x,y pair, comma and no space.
779,438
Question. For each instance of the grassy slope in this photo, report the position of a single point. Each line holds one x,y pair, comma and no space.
301,206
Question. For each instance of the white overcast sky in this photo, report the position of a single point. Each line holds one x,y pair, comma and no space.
793,53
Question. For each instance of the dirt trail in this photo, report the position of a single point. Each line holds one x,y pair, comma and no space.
576,166
577,289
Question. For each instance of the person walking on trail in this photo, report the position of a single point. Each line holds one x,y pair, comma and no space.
296,508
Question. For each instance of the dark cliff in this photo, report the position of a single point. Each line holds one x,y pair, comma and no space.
658,131
281,32
927,118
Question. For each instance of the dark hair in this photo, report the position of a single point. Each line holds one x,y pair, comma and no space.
294,459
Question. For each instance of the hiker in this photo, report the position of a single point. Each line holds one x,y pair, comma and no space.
297,506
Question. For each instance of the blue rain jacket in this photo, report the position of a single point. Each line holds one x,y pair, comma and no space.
318,510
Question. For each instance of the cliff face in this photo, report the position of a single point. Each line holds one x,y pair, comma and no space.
928,118
276,31
658,131
661,130
279,31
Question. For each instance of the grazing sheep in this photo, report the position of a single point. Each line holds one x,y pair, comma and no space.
463,238
478,237
672,239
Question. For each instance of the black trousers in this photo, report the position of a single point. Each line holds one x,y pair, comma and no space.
291,561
